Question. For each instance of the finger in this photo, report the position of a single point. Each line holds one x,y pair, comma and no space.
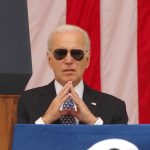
73,92
73,112
65,112
75,98
64,98
65,90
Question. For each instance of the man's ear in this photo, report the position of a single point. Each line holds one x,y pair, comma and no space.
88,60
49,60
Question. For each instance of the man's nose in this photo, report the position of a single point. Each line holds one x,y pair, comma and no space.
69,58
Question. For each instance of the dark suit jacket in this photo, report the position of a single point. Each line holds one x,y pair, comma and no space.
34,103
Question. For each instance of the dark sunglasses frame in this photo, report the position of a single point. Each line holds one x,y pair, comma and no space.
61,53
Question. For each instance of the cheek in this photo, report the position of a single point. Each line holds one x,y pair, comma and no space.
82,68
54,65
85,64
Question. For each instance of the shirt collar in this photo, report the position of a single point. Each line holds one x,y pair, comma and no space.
78,88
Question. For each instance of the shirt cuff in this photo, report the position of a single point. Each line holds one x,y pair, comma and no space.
99,121
39,121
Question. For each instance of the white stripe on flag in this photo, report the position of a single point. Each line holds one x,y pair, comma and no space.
119,52
43,18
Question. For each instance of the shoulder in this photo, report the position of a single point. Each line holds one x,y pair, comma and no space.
103,97
111,99
37,92
108,98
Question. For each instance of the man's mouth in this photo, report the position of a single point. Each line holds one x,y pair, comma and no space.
68,70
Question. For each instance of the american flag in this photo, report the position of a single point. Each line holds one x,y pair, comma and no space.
120,46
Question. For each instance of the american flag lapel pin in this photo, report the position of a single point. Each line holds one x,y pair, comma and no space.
93,103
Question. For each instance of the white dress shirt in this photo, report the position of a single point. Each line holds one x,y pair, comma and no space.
79,90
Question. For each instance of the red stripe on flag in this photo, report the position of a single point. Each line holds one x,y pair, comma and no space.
86,14
144,60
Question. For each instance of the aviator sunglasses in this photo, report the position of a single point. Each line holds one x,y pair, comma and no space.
61,53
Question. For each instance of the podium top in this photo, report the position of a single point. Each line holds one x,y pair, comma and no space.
77,137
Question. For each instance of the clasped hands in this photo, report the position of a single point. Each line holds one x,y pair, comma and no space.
82,113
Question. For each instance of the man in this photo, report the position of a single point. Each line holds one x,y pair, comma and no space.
69,56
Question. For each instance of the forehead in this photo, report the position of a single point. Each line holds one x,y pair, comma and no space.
68,39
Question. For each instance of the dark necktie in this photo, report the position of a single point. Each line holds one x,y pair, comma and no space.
68,119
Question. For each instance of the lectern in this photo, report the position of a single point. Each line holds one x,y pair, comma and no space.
77,137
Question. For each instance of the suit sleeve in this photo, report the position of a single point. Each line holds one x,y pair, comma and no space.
120,116
21,114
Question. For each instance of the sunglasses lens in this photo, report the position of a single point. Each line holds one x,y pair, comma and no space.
77,54
60,53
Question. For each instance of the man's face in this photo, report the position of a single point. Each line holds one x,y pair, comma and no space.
68,69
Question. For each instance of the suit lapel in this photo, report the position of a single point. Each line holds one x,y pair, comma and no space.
46,95
91,99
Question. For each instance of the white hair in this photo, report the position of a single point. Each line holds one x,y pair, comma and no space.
68,27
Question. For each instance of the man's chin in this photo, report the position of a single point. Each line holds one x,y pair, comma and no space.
65,79
69,79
